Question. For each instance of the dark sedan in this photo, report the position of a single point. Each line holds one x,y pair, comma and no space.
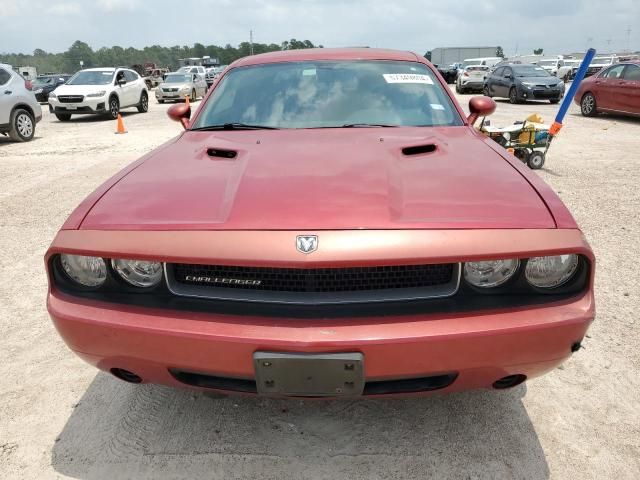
615,90
522,82
45,84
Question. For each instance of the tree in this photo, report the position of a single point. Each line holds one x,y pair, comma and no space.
538,51
78,52
499,52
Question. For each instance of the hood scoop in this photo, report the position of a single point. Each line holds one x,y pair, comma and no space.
419,149
221,153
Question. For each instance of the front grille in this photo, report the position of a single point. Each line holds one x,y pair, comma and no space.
170,89
70,98
316,285
539,93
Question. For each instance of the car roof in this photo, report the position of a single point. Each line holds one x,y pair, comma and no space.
311,54
102,69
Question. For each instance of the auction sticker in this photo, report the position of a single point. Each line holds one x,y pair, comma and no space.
407,78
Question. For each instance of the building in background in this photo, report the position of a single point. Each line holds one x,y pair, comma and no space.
29,73
449,55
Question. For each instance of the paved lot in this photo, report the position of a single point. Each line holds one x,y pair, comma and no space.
59,417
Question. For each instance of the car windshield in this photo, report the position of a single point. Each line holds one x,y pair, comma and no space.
92,77
602,60
529,71
177,78
477,68
329,94
547,63
43,81
467,63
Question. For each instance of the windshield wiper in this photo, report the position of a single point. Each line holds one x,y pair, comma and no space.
365,125
233,126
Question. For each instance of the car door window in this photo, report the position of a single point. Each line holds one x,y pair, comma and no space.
499,72
632,72
613,72
4,76
120,76
130,76
508,73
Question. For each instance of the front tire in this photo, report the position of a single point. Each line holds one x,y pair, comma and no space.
160,101
114,108
22,126
485,91
194,96
143,106
513,96
536,160
63,117
588,105
553,101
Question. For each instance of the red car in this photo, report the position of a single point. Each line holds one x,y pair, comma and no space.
615,89
328,224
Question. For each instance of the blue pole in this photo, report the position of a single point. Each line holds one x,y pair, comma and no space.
568,98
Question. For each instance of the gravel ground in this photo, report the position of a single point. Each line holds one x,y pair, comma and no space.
59,417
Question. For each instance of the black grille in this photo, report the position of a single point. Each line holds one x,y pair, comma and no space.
319,280
70,98
170,89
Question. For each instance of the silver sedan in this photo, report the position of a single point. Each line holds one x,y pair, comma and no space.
177,86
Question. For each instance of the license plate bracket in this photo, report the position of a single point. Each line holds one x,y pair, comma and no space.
309,375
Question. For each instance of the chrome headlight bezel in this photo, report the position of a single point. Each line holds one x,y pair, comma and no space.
84,271
487,274
138,273
563,273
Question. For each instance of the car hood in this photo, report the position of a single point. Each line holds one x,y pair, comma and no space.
175,85
307,180
81,89
540,80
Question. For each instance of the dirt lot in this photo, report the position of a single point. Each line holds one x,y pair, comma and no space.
59,417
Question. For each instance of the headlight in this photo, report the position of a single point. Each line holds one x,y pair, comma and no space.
87,271
185,89
52,95
101,93
490,273
528,84
38,91
138,273
551,272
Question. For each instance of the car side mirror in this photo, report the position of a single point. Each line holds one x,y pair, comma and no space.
180,112
480,107
508,77
121,81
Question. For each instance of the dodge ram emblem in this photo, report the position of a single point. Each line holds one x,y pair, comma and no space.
307,243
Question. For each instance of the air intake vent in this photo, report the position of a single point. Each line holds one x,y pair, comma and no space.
419,149
217,152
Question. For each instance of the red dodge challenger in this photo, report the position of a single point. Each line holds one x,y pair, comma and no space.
328,224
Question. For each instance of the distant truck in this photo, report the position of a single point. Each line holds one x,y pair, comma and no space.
450,55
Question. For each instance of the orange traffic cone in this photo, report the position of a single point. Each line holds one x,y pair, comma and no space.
121,128
186,100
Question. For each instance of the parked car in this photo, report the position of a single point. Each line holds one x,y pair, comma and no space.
523,82
104,91
615,90
600,62
556,67
213,73
177,86
200,70
45,84
486,61
329,224
471,78
449,73
19,109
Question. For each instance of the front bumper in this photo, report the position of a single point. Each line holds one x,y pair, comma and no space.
88,105
474,348
538,93
160,95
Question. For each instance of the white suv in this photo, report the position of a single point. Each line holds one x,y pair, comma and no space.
19,109
104,91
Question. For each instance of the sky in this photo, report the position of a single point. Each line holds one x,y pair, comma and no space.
558,26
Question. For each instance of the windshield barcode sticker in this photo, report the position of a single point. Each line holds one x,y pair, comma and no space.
407,78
